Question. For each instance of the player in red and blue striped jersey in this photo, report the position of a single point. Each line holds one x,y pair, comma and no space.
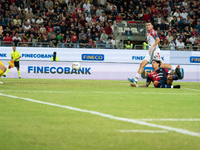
160,77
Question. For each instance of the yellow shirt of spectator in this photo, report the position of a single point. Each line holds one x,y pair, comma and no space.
15,55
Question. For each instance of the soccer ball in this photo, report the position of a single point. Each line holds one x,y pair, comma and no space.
76,66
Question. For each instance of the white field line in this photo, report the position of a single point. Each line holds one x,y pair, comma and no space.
191,89
79,92
178,130
145,131
168,119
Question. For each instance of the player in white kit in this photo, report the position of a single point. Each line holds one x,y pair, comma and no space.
154,52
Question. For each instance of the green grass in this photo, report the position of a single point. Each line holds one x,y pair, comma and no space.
28,125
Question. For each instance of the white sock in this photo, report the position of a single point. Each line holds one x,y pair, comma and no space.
172,87
137,76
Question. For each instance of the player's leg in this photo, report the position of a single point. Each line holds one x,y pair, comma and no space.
163,85
17,66
2,70
141,68
7,71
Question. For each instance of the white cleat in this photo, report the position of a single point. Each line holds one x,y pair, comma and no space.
1,82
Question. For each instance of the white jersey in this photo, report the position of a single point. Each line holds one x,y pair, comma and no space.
155,54
151,38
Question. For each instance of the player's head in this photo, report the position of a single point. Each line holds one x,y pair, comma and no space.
14,48
156,64
1,30
149,25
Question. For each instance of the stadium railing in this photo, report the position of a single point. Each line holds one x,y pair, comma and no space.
187,48
6,43
26,44
86,45
132,30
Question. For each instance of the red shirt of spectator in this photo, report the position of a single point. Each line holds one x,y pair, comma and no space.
11,1
153,10
79,10
49,27
108,29
119,18
147,17
74,15
74,37
8,39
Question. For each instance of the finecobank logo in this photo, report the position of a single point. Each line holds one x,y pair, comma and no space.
94,57
57,70
37,55
3,55
142,57
194,59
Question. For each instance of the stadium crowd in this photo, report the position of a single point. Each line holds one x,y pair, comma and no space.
65,23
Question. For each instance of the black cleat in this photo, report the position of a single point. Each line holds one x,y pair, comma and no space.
179,73
19,77
176,86
4,75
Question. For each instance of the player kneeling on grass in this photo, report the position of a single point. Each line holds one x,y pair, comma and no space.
160,77
2,70
15,56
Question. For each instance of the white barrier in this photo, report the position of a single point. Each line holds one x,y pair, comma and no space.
96,71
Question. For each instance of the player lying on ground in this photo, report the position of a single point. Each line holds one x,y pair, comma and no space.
153,53
160,77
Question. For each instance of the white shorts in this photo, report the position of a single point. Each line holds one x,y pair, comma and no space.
154,55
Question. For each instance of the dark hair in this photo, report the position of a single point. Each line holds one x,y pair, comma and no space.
54,56
150,22
157,61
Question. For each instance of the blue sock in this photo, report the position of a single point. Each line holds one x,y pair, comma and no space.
162,85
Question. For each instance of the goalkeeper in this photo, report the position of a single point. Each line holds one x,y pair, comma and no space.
15,56
2,70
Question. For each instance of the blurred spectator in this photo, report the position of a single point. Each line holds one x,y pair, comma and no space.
89,34
54,40
165,44
172,45
88,18
188,44
184,14
162,36
8,39
114,42
91,44
180,45
74,38
27,15
40,20
31,41
86,7
195,32
16,39
83,21
128,45
83,42
108,30
45,42
101,44
17,20
169,37
147,17
195,45
24,40
99,11
163,26
192,39
48,3
96,36
80,36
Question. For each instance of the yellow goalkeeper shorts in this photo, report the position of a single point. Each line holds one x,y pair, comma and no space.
1,73
1,63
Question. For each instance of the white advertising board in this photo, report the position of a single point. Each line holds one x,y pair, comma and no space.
96,71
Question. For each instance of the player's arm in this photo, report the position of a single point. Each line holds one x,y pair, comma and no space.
156,42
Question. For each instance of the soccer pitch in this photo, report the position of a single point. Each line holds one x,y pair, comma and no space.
97,114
